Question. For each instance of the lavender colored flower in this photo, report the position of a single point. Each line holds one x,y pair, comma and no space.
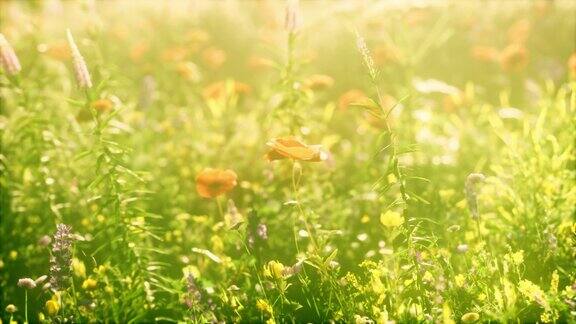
61,259
193,294
262,231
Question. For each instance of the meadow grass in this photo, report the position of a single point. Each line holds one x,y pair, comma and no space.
286,162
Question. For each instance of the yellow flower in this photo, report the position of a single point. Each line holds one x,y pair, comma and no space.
428,277
518,257
460,280
554,282
263,306
53,305
78,268
89,284
391,219
274,269
532,292
470,317
447,315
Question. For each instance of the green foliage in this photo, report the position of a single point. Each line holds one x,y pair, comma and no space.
421,120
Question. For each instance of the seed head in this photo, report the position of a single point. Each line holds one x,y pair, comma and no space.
40,279
366,57
8,58
80,67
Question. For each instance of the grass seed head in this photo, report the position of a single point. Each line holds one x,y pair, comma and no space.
8,57
293,19
80,67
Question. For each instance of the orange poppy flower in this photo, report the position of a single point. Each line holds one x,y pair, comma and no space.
387,54
514,57
102,105
58,50
214,57
485,53
572,65
175,54
138,51
318,82
519,32
291,148
211,183
260,63
198,36
219,90
189,71
349,97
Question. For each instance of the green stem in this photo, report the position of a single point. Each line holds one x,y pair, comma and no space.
220,209
26,305
295,188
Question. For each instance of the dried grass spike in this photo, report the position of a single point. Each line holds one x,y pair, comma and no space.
80,67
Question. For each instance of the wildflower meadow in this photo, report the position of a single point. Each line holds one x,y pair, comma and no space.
272,161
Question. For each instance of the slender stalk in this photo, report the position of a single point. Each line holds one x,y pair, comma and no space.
220,209
295,188
26,305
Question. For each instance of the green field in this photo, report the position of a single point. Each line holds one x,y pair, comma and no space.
244,161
